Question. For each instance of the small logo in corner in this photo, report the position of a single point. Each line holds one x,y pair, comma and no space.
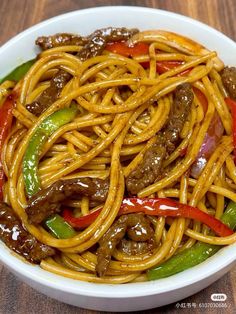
218,297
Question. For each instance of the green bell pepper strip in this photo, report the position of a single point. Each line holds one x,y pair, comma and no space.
194,255
18,73
36,143
59,227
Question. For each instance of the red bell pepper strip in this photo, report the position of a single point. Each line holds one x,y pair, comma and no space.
164,66
81,222
139,49
202,98
183,151
123,49
232,104
155,207
5,125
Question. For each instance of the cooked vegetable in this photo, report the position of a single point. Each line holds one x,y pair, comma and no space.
39,138
156,207
194,255
164,66
59,227
123,49
80,222
19,72
138,49
184,260
5,126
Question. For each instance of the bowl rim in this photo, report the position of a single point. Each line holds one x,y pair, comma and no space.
116,291
108,8
223,258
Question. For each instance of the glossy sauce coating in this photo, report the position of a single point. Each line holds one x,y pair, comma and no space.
59,39
48,201
49,95
149,170
140,238
92,45
18,239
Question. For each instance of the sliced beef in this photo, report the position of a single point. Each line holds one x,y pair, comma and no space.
178,116
138,229
18,239
228,75
60,39
131,247
93,44
147,171
151,168
108,243
48,201
49,95
97,41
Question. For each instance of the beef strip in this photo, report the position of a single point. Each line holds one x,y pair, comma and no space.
138,229
150,169
108,244
97,41
178,115
228,76
48,201
147,171
93,44
60,39
130,247
18,239
49,95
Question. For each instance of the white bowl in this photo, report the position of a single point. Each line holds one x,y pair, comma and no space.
133,296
